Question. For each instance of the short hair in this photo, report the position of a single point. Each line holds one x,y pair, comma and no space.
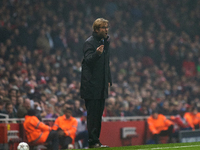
68,109
155,111
8,104
31,112
98,22
194,108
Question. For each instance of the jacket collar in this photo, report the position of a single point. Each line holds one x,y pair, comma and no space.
69,117
96,36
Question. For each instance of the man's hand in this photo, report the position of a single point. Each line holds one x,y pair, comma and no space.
60,132
36,104
108,88
100,49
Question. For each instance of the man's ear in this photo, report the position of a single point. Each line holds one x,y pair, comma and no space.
96,30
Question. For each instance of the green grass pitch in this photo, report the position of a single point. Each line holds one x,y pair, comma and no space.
174,146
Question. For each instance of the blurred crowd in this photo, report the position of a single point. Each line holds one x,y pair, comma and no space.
155,59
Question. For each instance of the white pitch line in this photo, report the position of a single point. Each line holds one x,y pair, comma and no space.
169,147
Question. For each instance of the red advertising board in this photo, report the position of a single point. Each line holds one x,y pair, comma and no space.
3,131
111,133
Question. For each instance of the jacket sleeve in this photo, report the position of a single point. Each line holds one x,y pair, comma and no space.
180,123
189,121
109,76
107,43
40,125
152,127
90,56
167,121
55,125
72,130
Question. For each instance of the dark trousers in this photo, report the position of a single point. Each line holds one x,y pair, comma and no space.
82,136
95,109
168,132
65,141
53,140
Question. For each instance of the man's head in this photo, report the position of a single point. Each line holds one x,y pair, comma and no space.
9,107
112,101
50,109
100,26
43,97
155,114
13,100
194,110
182,112
68,112
53,100
153,105
31,112
77,104
27,103
13,92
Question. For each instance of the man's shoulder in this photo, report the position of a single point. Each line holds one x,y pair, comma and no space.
161,116
150,118
21,108
91,40
31,118
61,117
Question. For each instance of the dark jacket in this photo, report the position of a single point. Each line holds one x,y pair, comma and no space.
95,74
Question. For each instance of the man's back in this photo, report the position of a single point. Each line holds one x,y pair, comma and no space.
35,130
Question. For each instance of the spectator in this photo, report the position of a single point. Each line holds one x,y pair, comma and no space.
119,109
108,110
143,111
82,132
58,109
40,110
14,103
132,110
152,107
60,40
20,102
165,108
53,100
50,112
180,123
23,109
78,111
159,126
9,110
42,42
43,98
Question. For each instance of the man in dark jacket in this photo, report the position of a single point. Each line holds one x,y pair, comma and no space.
95,78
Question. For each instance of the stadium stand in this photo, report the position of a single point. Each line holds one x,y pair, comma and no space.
154,55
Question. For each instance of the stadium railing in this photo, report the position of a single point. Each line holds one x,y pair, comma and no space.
104,119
